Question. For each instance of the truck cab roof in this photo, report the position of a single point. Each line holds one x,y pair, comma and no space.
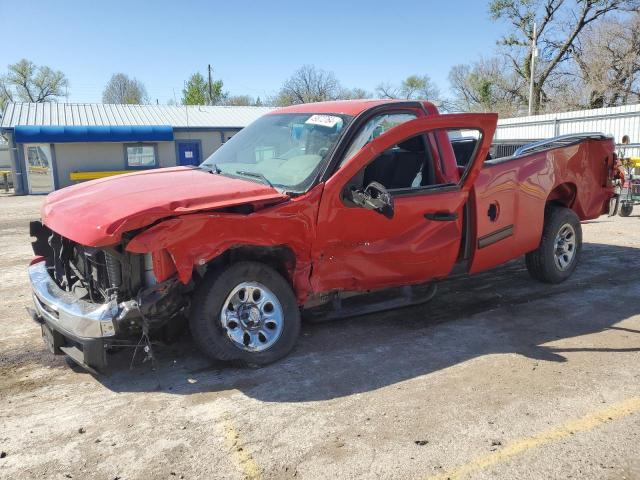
349,107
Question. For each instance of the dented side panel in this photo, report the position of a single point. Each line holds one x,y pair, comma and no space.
373,251
511,196
359,249
196,239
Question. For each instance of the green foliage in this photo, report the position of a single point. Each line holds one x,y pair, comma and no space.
419,86
484,87
505,8
413,87
196,91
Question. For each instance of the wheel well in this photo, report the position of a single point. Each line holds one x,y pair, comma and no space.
563,195
281,258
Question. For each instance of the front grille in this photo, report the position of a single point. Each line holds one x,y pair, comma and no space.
93,274
89,273
114,270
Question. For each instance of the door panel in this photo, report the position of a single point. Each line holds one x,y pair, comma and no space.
372,251
188,152
360,249
495,204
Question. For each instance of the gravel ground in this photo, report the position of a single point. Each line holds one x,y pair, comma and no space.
498,377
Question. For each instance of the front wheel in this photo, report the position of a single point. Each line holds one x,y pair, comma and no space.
558,254
247,312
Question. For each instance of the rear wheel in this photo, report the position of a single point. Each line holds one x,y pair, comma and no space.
247,312
626,209
558,254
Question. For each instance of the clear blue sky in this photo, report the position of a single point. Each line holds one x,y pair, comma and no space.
253,46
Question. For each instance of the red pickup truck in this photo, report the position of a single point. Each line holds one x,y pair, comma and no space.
329,209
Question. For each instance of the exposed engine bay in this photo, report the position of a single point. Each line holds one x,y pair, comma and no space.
112,275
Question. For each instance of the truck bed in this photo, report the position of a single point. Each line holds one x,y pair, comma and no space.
511,192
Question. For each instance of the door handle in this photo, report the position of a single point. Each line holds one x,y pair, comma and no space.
441,216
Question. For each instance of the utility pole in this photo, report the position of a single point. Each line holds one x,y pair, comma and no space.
532,70
211,89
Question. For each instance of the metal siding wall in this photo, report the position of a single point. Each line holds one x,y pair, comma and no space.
615,121
91,157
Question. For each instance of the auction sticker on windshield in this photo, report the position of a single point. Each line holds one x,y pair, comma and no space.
328,121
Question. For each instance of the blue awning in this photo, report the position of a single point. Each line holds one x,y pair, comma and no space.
51,134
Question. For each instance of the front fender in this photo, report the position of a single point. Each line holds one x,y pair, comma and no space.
196,239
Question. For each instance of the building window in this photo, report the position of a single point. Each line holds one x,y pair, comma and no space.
140,155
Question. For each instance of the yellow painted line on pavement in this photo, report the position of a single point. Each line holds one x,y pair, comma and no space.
241,457
582,424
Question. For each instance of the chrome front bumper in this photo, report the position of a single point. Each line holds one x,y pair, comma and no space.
65,313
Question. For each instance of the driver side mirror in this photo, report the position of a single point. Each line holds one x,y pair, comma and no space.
374,197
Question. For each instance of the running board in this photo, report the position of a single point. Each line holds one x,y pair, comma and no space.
343,305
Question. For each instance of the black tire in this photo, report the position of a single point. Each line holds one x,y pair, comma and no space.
542,263
626,209
206,327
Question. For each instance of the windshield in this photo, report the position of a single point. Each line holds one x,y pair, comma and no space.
284,150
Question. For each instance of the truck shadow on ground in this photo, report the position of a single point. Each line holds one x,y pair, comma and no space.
500,311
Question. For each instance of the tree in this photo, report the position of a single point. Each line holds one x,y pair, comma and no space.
122,89
487,85
245,101
414,87
608,64
354,94
308,84
27,82
239,100
559,23
6,94
196,91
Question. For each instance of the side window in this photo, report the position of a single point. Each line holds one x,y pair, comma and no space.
464,143
140,155
374,128
413,164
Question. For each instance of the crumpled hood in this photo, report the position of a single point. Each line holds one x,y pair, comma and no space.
96,213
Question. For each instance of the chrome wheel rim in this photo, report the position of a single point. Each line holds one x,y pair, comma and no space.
252,317
565,247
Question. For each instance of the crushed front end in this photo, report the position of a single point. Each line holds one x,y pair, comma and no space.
89,300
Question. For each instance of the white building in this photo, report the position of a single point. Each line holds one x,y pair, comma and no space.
614,121
51,143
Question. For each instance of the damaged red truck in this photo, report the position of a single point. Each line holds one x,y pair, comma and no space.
327,209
